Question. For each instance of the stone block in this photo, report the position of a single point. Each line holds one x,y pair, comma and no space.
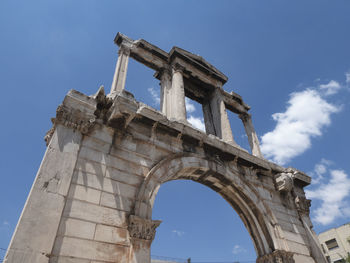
90,167
90,154
112,235
127,166
288,218
303,259
124,177
264,193
117,202
134,157
92,250
88,179
84,193
298,229
76,228
91,142
298,238
119,188
94,213
68,260
104,134
298,248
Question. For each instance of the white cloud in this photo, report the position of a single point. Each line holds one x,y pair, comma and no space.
238,249
331,87
197,122
319,170
5,223
178,233
306,115
332,195
347,75
189,106
155,95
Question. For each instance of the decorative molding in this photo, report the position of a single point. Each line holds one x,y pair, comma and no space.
75,119
142,228
71,118
284,182
277,256
103,104
164,73
303,205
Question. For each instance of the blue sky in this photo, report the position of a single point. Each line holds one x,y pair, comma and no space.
289,60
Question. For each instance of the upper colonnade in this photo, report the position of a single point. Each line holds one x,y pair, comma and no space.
183,74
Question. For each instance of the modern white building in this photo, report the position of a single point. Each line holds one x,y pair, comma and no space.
335,243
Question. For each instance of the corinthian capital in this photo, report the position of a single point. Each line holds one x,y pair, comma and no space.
277,256
142,228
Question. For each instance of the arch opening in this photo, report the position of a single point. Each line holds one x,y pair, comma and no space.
227,181
198,224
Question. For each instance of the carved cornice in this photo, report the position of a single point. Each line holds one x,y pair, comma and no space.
71,118
142,228
278,256
74,119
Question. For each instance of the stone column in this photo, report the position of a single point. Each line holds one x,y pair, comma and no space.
216,119
142,232
121,68
250,131
177,107
165,97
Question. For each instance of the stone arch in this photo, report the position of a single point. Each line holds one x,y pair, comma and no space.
226,180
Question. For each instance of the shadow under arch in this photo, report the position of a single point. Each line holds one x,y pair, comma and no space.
225,180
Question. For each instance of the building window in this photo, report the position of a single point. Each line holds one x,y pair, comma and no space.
332,244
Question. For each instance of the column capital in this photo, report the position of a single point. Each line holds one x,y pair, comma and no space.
141,228
245,116
178,68
277,256
163,72
124,49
